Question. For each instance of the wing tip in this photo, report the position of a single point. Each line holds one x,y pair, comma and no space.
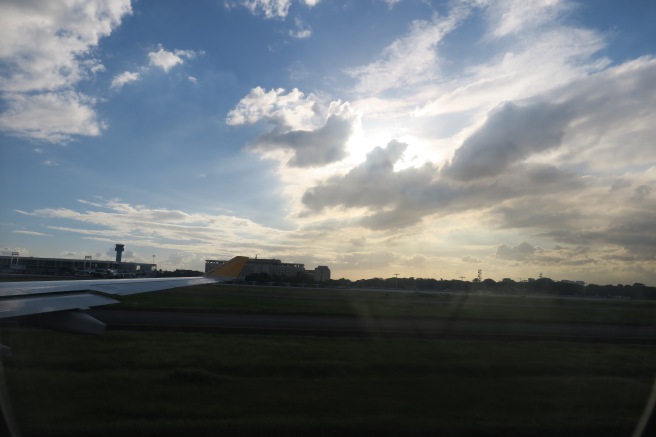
230,269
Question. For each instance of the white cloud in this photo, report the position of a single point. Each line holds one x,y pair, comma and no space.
391,3
515,16
302,31
411,59
124,78
97,68
198,233
163,59
609,109
269,8
292,111
44,42
318,147
316,137
166,60
46,47
53,117
413,76
33,233
528,67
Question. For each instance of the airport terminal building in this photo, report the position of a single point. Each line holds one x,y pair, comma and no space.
66,266
274,267
14,263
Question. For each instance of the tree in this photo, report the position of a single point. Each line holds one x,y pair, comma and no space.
489,283
262,278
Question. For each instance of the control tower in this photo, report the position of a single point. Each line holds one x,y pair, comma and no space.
119,251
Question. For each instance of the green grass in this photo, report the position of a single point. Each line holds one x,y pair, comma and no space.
227,298
167,384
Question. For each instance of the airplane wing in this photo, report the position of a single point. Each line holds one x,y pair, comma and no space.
60,304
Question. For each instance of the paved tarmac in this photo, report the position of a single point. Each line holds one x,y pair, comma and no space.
386,327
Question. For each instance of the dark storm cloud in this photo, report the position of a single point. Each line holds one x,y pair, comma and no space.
527,213
622,215
526,253
636,233
510,134
314,148
371,184
487,169
520,252
612,116
402,198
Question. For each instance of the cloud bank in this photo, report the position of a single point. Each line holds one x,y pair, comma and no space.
298,125
47,49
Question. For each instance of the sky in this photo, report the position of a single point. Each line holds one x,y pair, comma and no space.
427,139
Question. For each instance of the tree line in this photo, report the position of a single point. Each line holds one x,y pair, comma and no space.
544,286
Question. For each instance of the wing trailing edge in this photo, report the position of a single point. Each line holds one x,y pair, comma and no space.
59,305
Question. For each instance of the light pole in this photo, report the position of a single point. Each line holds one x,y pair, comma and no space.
396,280
154,267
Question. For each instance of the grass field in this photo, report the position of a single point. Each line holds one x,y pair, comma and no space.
174,383
162,384
230,298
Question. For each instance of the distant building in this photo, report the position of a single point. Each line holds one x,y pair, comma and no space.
67,266
321,273
566,281
273,267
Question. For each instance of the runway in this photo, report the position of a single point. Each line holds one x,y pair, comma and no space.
382,327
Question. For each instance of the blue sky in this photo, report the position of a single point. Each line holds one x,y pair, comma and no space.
429,139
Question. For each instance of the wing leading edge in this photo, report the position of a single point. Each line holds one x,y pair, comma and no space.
59,304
